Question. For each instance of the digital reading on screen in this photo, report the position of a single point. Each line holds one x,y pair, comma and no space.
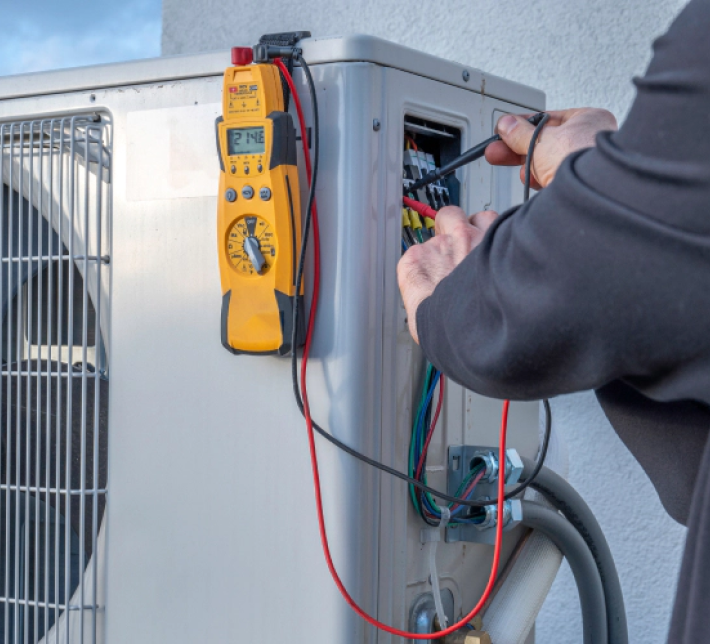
245,140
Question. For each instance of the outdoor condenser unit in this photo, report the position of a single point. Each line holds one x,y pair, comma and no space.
156,488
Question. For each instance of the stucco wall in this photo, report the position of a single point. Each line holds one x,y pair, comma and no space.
580,52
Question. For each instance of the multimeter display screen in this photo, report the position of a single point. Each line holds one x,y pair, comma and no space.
245,140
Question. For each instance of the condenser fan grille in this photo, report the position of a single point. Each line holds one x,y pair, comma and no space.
54,285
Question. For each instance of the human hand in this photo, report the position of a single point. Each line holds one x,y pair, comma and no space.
423,266
565,132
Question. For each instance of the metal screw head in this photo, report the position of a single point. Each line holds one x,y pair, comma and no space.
376,125
92,98
465,75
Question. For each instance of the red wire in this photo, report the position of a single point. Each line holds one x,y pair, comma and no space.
312,441
431,428
422,457
467,491
476,479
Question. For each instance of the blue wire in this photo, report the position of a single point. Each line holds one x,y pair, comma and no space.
461,507
405,248
457,511
430,508
418,436
422,413
435,514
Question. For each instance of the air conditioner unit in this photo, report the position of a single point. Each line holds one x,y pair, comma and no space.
156,488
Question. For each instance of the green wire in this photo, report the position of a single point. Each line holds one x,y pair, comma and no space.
412,442
416,446
461,489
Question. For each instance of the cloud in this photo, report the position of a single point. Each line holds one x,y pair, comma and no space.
128,32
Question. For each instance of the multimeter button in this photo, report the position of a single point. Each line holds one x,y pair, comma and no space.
265,194
246,169
230,195
247,192
260,167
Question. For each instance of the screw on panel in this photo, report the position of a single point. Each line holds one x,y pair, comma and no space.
92,98
465,75
376,125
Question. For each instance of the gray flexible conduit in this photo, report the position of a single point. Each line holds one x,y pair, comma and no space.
568,501
591,593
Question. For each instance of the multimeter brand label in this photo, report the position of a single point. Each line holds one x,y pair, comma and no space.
244,99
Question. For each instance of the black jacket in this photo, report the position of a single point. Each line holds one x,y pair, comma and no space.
602,281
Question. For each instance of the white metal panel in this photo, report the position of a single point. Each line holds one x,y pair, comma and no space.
180,159
213,525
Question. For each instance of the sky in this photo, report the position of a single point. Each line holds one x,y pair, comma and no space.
37,35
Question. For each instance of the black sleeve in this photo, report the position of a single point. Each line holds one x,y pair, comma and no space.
605,274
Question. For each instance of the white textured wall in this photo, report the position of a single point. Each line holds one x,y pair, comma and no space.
580,52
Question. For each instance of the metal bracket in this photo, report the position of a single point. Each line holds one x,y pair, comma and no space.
459,465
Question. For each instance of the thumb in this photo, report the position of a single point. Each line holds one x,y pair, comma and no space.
516,132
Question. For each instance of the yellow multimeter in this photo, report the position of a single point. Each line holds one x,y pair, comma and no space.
258,213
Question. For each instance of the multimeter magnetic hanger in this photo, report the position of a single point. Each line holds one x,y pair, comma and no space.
288,39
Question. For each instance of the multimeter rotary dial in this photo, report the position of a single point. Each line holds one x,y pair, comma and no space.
250,246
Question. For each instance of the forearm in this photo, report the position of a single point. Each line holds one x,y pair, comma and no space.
602,275
564,294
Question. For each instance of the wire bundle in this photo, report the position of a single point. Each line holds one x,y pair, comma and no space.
423,501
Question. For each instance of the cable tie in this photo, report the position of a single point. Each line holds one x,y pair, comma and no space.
430,535
435,585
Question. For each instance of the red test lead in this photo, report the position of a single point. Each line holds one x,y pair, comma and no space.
421,208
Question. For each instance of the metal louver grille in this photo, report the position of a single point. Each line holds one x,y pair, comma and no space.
54,285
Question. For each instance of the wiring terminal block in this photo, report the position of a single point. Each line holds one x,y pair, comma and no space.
427,146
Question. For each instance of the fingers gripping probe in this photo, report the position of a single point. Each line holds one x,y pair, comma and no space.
476,152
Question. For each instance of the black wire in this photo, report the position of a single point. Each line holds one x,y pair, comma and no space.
306,227
294,336
545,403
528,159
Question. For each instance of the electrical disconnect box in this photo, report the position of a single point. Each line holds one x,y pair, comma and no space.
183,512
